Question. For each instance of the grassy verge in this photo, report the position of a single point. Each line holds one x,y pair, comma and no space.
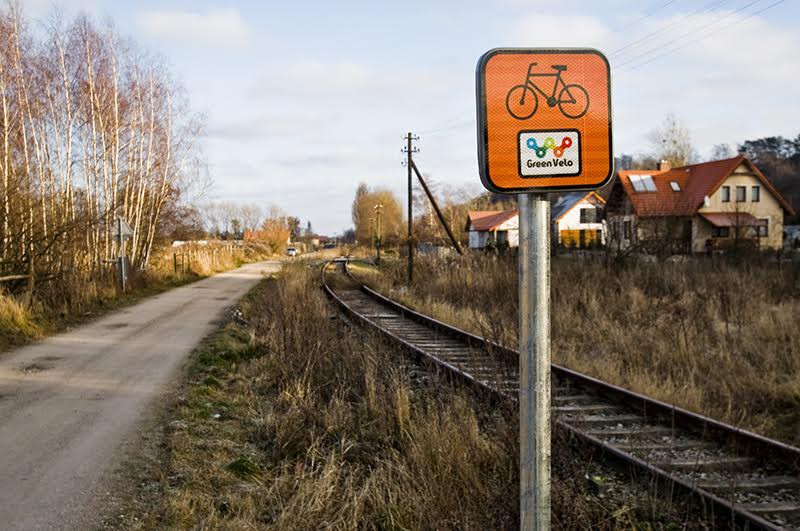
291,420
77,299
720,338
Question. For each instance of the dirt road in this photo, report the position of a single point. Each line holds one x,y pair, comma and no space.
70,403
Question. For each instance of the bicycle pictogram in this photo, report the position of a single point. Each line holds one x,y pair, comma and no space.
522,100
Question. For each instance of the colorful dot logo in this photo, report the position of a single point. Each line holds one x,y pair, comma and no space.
549,143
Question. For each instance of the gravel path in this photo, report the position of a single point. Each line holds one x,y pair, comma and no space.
69,404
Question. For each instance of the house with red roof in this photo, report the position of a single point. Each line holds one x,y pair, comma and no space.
577,219
696,208
488,228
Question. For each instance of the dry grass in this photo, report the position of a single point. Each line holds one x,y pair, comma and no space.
76,296
299,422
720,338
15,322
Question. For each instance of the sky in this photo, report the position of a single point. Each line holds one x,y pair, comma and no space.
304,100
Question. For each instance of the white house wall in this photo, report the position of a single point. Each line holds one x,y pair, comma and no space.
572,221
512,226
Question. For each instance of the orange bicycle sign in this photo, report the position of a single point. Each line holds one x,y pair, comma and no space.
544,119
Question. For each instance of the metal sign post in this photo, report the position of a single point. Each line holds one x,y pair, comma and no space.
534,361
544,125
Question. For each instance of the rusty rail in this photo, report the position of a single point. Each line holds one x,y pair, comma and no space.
761,463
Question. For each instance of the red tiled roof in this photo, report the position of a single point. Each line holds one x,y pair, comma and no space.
732,219
488,219
696,181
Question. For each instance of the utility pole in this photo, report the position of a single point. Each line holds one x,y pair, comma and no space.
408,150
379,238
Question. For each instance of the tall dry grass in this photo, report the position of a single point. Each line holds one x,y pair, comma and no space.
76,295
299,422
15,322
717,337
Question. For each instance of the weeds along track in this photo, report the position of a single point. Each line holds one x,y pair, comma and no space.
735,476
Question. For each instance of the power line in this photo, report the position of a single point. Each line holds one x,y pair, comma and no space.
647,14
680,37
708,8
684,45
659,5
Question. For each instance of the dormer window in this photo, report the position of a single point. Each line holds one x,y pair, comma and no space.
675,186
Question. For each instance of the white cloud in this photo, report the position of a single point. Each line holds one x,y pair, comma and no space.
727,87
564,30
755,48
217,26
321,80
264,124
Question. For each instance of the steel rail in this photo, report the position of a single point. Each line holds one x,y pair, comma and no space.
734,440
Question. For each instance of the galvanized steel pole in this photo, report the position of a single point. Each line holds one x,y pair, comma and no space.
534,361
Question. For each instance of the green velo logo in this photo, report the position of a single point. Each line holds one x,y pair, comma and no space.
549,143
544,153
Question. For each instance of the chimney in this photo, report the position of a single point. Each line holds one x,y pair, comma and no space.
664,165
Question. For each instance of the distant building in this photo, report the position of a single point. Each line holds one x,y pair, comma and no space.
578,219
696,208
492,228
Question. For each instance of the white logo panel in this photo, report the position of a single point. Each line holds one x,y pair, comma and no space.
545,153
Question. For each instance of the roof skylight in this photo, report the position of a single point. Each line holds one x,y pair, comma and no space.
643,183
675,186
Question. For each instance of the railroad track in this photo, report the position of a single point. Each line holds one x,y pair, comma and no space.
738,477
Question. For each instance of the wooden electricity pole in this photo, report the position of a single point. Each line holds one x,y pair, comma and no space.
408,150
378,238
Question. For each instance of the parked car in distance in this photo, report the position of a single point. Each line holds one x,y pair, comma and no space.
291,251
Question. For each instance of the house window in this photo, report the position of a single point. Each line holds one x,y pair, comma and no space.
763,228
741,194
726,194
588,215
626,229
720,232
755,194
675,186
